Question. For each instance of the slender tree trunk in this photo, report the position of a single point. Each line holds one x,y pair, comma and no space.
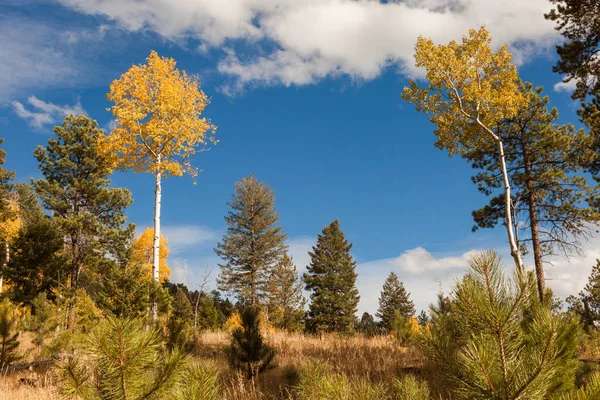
156,246
535,230
5,264
515,252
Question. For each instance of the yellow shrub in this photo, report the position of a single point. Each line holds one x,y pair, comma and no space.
233,322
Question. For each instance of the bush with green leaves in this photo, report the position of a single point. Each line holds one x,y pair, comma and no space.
9,337
494,340
123,361
248,350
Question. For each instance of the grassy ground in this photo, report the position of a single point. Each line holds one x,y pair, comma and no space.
377,359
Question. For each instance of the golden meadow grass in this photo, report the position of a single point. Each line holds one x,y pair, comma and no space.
376,359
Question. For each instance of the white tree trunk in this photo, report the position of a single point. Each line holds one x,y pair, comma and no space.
156,246
5,264
515,252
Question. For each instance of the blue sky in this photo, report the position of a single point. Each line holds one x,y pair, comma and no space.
305,96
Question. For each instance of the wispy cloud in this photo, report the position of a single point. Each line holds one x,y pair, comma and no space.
188,237
44,113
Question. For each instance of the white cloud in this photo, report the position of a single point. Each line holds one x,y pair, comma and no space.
421,272
186,237
45,113
191,275
297,43
567,87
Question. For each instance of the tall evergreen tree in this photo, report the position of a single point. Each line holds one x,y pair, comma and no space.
75,189
394,298
254,241
285,302
331,279
545,164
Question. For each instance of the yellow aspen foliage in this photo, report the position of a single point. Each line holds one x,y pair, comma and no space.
141,254
470,89
233,322
157,112
9,228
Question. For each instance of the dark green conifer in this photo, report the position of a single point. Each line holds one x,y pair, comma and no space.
367,325
422,318
122,290
331,279
248,351
253,244
75,189
37,263
394,298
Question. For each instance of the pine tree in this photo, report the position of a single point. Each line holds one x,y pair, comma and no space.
208,313
248,351
496,340
122,290
367,325
124,360
394,298
37,263
75,188
331,279
285,302
253,244
576,21
422,318
587,304
546,164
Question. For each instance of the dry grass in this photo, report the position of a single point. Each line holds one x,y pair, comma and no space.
12,389
377,359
